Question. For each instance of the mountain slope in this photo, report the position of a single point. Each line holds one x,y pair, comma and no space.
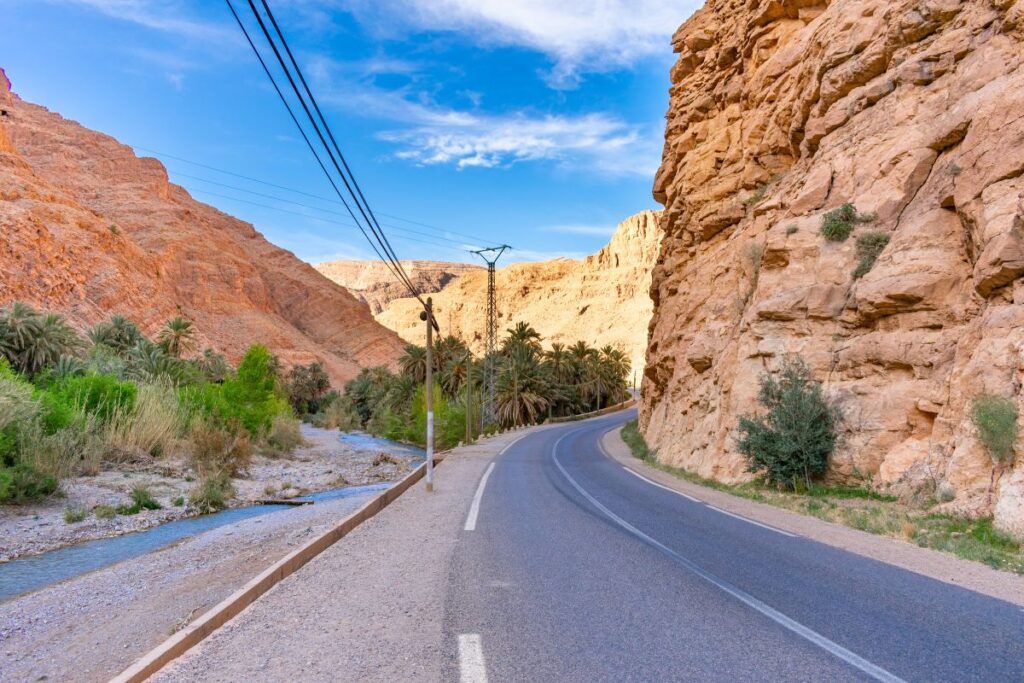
602,299
89,229
783,111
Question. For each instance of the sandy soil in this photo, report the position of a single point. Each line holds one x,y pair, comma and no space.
323,463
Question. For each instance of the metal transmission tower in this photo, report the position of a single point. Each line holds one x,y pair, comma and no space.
490,257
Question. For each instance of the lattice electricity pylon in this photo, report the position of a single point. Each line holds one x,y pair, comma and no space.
490,371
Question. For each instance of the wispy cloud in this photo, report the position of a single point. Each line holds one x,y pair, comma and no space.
165,15
595,230
580,36
431,134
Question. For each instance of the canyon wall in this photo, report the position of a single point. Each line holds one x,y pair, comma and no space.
601,299
784,110
373,283
88,229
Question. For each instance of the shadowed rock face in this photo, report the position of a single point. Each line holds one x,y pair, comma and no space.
89,229
783,110
602,299
373,283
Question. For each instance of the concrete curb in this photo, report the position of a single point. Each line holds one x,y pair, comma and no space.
596,413
934,564
197,631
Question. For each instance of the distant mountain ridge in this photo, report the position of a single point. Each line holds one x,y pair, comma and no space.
602,299
373,283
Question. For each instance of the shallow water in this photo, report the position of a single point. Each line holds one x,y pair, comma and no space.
368,441
35,572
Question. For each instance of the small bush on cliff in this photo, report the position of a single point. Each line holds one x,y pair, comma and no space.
870,246
995,418
837,225
636,442
791,444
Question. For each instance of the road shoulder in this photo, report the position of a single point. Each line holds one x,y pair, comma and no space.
949,569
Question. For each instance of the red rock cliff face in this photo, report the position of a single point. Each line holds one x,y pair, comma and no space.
783,110
89,229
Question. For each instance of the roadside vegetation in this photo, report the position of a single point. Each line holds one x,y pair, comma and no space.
531,385
71,405
787,451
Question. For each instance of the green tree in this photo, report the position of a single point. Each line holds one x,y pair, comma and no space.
790,445
119,333
306,385
521,390
32,342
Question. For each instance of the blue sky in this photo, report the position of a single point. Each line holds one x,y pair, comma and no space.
533,122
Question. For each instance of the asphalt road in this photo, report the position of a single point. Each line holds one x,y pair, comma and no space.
574,569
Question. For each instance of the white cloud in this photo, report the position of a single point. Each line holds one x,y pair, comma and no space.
579,36
600,141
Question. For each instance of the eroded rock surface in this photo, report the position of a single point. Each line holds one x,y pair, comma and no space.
784,110
89,229
600,299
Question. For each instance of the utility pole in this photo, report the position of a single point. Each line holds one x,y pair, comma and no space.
469,409
487,410
427,315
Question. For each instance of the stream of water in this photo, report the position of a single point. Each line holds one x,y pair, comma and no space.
32,573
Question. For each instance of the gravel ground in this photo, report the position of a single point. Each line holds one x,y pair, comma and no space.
931,563
92,627
370,607
323,463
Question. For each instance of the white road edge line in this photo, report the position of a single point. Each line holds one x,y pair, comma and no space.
474,509
472,668
837,650
750,521
662,486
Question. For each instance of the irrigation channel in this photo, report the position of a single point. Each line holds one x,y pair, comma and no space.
28,574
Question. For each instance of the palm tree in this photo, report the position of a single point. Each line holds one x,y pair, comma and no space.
177,337
118,333
454,374
32,342
414,363
522,334
521,391
213,366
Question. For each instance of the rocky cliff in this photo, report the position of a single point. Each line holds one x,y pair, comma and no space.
373,283
89,229
601,299
784,110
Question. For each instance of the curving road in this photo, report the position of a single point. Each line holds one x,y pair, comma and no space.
571,568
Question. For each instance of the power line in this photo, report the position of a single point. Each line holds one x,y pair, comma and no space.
306,206
474,238
302,131
381,239
318,218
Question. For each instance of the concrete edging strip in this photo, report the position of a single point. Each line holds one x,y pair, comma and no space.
197,631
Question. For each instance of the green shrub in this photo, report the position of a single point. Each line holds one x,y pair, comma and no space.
340,414
837,225
76,449
212,493
104,511
20,484
791,444
636,442
870,246
995,418
75,513
178,502
99,395
144,499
